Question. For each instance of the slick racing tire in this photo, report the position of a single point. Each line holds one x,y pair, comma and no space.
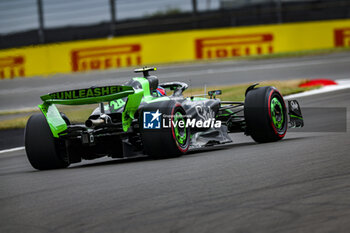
165,142
265,114
44,152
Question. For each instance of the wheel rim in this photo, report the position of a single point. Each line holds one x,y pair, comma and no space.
180,132
277,113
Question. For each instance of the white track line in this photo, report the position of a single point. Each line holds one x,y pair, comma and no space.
11,150
267,66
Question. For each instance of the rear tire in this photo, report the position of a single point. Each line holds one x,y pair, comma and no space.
43,150
265,114
166,142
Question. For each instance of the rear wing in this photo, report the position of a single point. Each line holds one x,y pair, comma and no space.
88,96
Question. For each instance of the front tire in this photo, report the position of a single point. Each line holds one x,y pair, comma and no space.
44,152
265,114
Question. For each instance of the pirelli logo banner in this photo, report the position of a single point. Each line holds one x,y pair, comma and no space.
106,57
11,67
172,47
342,37
234,45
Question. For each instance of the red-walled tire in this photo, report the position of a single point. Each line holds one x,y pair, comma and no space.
165,142
265,114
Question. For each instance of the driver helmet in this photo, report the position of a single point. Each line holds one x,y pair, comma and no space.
161,91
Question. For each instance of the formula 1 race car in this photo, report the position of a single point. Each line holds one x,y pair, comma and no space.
139,118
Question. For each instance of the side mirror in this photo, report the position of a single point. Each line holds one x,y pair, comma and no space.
214,93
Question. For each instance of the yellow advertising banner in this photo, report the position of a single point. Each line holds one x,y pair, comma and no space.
171,47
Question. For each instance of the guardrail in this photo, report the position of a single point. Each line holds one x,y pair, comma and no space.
61,24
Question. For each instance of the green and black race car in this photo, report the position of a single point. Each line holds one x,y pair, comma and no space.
137,119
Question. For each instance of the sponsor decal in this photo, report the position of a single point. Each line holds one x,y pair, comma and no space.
116,104
151,120
234,46
205,113
342,37
105,57
89,92
294,105
11,67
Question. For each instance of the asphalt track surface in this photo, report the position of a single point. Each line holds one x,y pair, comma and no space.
25,92
300,184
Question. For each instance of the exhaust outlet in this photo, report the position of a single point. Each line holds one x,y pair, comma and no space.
94,122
